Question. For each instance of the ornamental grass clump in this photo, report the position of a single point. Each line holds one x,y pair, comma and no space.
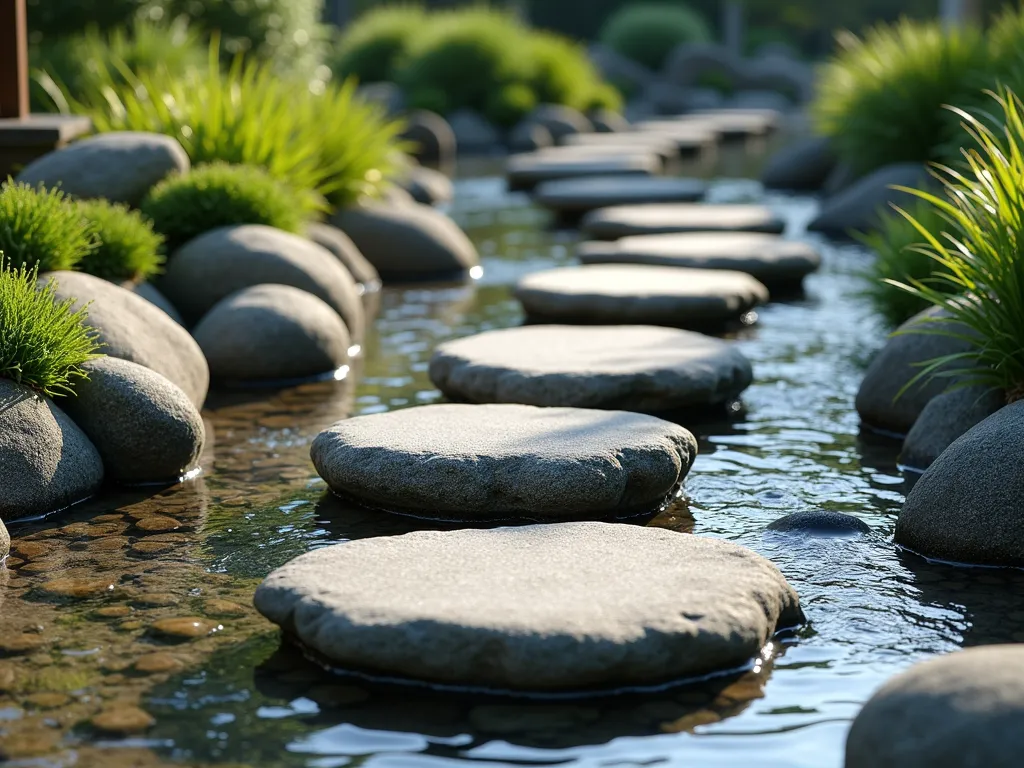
978,272
127,248
648,32
220,195
43,341
40,228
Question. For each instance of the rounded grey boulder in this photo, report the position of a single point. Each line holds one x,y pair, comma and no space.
228,259
626,294
432,137
958,711
629,368
560,120
946,418
625,220
496,462
966,507
527,137
856,207
121,167
801,167
149,292
517,608
132,328
778,263
821,523
427,186
575,197
272,333
341,245
409,243
46,462
608,121
145,428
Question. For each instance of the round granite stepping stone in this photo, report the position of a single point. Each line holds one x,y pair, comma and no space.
524,172
564,607
574,197
628,367
626,294
776,262
625,220
496,462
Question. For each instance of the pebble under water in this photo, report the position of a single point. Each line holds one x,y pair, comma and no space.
142,601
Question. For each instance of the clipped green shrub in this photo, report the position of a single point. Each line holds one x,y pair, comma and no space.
978,274
371,47
127,248
41,228
220,195
882,98
648,32
564,74
43,343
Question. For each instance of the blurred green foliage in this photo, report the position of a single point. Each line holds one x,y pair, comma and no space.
648,32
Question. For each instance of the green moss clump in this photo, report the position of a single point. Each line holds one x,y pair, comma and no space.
648,32
127,247
220,195
372,46
40,228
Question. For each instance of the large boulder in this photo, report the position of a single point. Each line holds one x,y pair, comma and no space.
561,121
432,138
427,186
149,292
133,329
121,166
966,508
272,333
945,419
46,462
879,402
563,607
473,133
228,259
409,243
145,428
858,205
803,166
341,245
962,710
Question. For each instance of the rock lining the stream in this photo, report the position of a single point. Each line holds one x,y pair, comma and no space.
559,607
657,219
5,543
575,197
945,419
497,462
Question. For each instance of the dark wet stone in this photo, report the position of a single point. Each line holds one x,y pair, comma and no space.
341,245
857,207
821,523
804,166
945,419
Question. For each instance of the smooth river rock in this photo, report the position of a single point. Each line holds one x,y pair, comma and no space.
820,523
966,508
228,259
629,368
145,428
779,263
962,710
625,220
272,333
857,207
575,197
346,251
495,462
5,544
626,294
46,462
560,607
132,328
946,418
803,166
560,120
524,172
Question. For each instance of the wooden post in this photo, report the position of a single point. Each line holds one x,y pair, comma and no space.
13,59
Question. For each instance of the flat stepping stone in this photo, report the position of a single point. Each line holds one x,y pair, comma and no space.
689,137
568,607
634,368
497,462
776,262
575,197
524,172
626,220
626,294
664,146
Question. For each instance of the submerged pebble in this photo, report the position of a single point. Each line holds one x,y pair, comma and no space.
123,720
189,628
820,523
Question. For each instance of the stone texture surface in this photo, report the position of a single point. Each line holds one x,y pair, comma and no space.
120,166
539,608
272,332
663,146
527,137
427,186
958,711
149,292
134,329
945,419
630,368
623,221
773,260
46,462
524,172
5,544
606,121
494,462
895,366
414,242
341,245
145,428
820,523
857,206
432,137
803,166
966,507
578,196
561,121
616,294
222,261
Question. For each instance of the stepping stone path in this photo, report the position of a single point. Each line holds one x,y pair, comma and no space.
575,197
524,172
626,220
561,607
614,294
776,262
482,463
635,368
690,138
664,146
